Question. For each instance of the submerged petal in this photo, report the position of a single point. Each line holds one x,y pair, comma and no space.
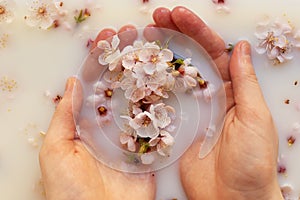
147,158
166,55
103,44
167,138
115,42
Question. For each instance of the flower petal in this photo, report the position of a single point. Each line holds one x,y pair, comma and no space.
191,71
131,145
147,158
167,139
161,66
137,94
112,56
190,81
273,53
115,42
103,44
149,68
124,138
166,55
101,59
154,141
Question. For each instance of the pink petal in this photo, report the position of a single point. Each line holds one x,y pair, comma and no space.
161,66
101,59
145,55
149,68
281,41
273,53
128,64
124,138
137,94
190,81
131,145
153,142
103,44
167,138
115,42
147,158
166,55
191,71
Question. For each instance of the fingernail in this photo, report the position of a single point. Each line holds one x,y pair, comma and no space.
164,10
245,49
69,84
245,52
127,28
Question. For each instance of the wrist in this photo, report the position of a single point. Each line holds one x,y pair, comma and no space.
271,192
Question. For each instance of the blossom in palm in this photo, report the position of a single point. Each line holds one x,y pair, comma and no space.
163,143
110,52
155,59
163,114
145,125
186,75
128,138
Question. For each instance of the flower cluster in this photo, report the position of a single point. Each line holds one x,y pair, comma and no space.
47,14
7,8
146,73
277,40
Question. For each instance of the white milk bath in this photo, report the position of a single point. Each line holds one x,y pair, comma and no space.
42,60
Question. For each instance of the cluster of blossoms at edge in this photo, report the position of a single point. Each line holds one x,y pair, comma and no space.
146,73
277,40
46,14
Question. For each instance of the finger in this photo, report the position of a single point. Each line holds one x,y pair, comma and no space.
103,35
91,68
152,33
127,35
162,18
62,126
246,90
229,95
190,24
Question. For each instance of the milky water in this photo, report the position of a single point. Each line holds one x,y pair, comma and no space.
41,61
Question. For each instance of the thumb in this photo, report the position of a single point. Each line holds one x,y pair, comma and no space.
62,126
246,90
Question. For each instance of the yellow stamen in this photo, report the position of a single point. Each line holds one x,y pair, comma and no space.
42,10
2,10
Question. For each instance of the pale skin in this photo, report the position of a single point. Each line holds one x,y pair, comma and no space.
241,166
69,171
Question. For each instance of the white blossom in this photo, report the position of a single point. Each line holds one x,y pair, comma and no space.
7,11
110,52
145,125
155,59
276,40
129,139
163,114
42,13
163,143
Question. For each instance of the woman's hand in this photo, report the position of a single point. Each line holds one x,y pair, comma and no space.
242,165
